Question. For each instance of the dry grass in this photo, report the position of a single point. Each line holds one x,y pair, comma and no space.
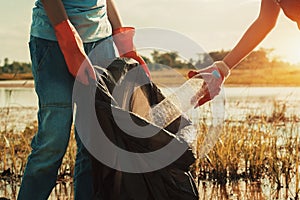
278,76
257,149
14,149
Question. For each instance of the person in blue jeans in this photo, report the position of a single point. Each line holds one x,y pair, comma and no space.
63,33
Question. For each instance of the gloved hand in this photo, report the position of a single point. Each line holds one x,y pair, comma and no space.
123,38
72,48
214,76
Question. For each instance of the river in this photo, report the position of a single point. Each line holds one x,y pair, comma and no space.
21,100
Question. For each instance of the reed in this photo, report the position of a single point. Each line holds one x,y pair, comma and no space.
15,147
256,150
260,147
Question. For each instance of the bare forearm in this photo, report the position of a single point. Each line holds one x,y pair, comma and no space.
259,29
55,11
113,14
248,42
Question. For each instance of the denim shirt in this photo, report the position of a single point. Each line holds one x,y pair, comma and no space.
88,16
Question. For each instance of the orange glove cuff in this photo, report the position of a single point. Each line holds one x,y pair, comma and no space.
71,45
72,48
123,38
68,38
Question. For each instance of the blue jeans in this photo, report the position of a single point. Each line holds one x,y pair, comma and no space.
54,85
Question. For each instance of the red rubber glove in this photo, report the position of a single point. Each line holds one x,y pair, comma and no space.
123,38
72,48
214,76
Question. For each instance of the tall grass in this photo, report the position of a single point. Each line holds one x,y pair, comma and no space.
14,149
259,152
261,147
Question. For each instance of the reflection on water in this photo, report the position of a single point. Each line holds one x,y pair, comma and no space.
241,190
63,190
16,118
18,105
235,190
261,100
17,97
239,100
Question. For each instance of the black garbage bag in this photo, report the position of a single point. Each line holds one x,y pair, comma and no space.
124,91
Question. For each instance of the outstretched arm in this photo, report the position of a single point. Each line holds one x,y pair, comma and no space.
215,75
255,34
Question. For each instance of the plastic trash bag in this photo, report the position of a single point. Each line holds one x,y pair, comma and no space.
120,93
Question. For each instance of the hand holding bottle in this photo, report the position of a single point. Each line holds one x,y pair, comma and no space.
213,76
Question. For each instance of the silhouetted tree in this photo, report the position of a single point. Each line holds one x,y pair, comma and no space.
15,67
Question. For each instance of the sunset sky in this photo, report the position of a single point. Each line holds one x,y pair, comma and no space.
213,24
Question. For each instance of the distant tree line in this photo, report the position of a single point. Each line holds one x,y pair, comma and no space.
256,59
15,67
170,59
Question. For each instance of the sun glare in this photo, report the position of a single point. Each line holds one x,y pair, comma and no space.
295,53
286,48
292,53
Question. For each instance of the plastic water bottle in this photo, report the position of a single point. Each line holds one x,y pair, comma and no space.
175,104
